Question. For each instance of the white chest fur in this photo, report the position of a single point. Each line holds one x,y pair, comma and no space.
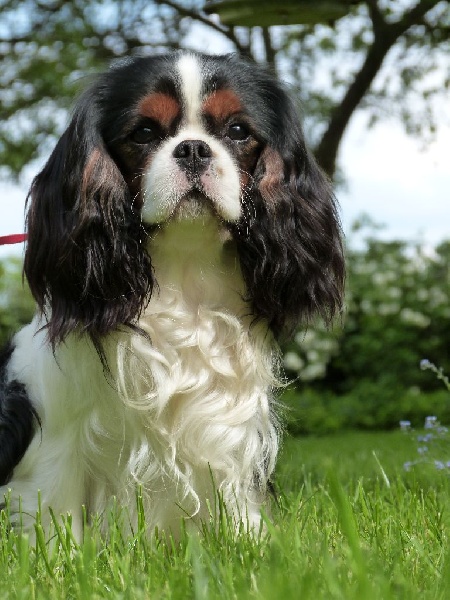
188,409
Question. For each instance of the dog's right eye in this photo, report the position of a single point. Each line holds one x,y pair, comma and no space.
238,132
145,135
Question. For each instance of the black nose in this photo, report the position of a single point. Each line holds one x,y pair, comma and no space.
193,156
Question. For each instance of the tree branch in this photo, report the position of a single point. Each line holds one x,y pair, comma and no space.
385,36
413,16
376,16
269,50
228,32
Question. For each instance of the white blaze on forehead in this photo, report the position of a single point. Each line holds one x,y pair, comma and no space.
191,86
166,184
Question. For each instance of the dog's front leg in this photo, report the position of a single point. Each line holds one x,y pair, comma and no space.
49,484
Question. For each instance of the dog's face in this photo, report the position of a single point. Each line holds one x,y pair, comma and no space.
189,143
172,137
188,137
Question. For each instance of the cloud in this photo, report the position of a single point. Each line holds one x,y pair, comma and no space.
399,185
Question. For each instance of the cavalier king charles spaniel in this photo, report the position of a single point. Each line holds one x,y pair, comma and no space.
178,231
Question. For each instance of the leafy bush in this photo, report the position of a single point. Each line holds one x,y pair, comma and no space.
367,407
367,374
433,441
16,302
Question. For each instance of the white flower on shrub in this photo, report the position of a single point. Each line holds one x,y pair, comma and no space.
385,309
366,268
383,277
413,317
312,352
293,362
366,306
306,338
437,297
422,294
313,356
394,293
313,371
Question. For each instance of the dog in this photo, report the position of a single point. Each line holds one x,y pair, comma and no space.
179,230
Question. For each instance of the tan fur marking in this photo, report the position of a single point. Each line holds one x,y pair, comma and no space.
100,177
222,104
90,175
160,107
273,176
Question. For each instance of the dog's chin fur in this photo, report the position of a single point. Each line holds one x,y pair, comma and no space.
194,206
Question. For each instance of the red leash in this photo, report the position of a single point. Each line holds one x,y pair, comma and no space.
16,238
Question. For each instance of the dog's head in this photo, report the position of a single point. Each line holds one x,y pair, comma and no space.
170,137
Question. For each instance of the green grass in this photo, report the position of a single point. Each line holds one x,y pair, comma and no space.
350,524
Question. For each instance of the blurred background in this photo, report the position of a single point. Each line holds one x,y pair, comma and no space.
372,82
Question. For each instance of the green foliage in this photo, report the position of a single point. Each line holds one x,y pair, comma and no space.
398,313
347,526
367,407
367,374
16,303
49,49
265,13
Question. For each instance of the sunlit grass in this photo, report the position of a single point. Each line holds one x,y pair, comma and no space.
350,524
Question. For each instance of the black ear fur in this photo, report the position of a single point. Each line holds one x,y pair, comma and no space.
85,260
289,239
18,420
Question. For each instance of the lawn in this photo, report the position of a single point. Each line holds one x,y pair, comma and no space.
350,524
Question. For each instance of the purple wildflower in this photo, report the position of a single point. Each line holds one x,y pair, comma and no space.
425,364
430,422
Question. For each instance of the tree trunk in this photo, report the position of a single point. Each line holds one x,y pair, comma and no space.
385,36
328,147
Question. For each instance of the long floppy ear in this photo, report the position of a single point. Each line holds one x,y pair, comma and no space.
289,239
85,259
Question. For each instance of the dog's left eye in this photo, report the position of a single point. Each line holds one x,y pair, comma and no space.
145,135
238,132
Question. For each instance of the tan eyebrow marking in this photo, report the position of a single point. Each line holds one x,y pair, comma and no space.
273,176
222,104
160,107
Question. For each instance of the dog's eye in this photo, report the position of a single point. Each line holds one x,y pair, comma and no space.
238,132
145,135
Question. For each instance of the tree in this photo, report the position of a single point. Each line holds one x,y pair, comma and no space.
48,47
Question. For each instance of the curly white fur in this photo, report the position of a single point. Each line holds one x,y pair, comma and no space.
186,410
